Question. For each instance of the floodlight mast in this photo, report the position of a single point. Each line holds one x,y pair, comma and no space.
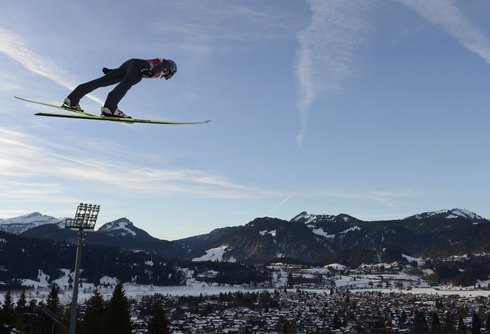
85,218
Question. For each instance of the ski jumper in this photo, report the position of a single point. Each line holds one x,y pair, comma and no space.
127,75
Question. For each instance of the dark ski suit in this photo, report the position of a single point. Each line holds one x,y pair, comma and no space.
127,75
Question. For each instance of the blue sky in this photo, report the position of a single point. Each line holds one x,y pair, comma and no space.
378,109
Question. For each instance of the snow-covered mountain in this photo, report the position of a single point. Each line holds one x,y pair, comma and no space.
314,238
18,225
122,227
449,214
307,218
121,233
328,226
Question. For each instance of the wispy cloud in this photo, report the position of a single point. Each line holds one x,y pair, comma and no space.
216,25
31,169
447,16
326,48
13,46
32,191
23,157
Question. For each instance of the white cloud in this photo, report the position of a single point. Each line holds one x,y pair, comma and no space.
32,191
13,46
337,28
24,158
445,15
218,21
29,166
326,48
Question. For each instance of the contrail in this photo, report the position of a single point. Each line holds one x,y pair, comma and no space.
445,15
280,203
326,47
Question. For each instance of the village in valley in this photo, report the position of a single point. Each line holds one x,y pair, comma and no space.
343,311
381,298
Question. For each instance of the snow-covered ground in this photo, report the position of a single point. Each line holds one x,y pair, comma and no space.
138,291
215,254
194,288
356,282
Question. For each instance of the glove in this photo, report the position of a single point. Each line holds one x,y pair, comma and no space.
106,70
146,72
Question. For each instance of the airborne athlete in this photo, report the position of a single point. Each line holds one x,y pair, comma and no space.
125,76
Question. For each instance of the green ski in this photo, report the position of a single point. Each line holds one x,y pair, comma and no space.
79,114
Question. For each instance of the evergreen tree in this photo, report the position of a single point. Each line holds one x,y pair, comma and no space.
289,282
158,323
284,325
54,309
53,302
265,299
419,323
70,282
461,326
21,309
449,324
403,319
436,327
92,322
475,324
7,311
33,320
117,317
336,321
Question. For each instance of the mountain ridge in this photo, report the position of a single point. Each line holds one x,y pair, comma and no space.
306,237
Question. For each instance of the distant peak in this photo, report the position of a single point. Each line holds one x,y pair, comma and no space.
449,214
123,220
18,225
302,217
33,214
307,218
121,226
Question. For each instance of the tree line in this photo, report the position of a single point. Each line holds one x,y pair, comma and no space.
96,316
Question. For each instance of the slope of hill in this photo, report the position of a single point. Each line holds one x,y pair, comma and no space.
22,258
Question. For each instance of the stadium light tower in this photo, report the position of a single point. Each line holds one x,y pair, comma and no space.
85,219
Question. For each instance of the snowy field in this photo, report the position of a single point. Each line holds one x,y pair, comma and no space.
39,289
196,288
132,291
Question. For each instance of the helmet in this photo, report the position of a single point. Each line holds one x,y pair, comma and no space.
172,69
